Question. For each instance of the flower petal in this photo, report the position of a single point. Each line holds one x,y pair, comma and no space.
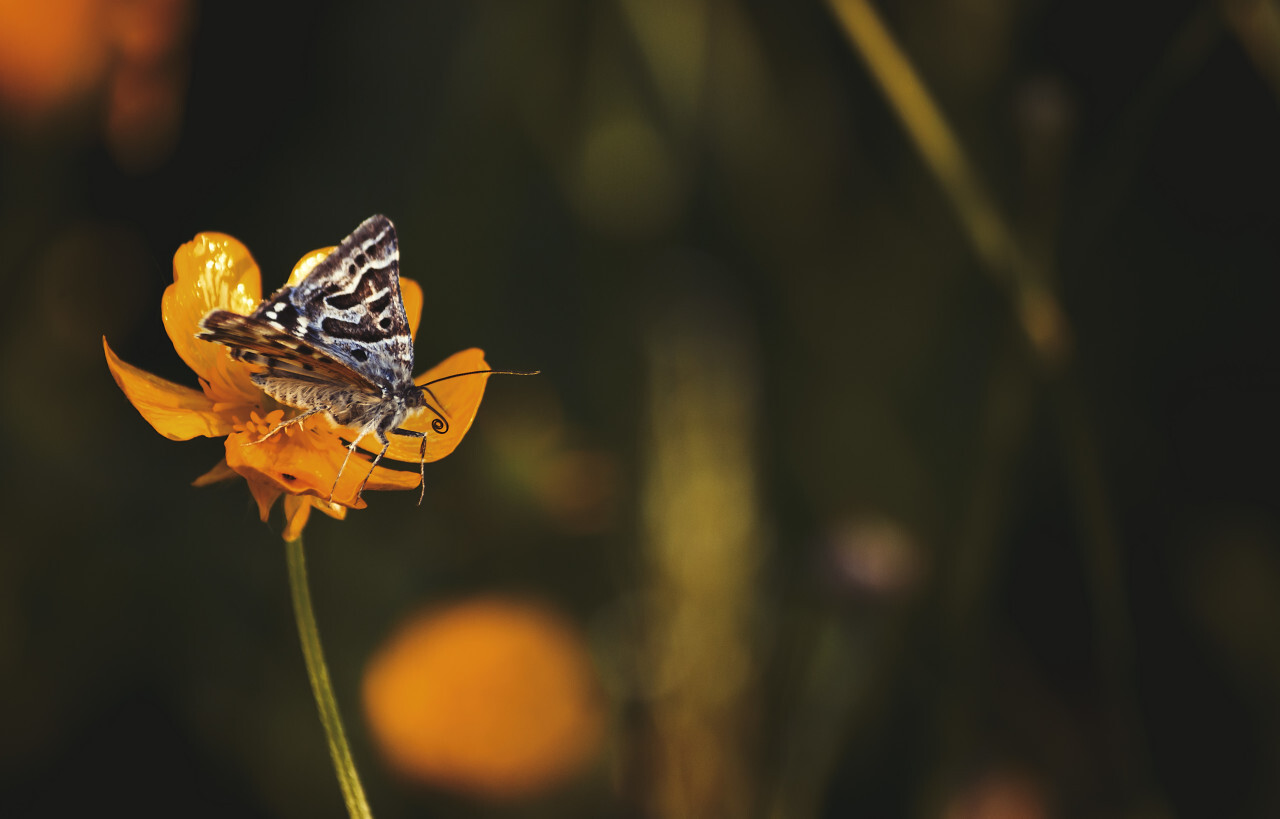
212,271
297,510
305,462
221,472
306,263
411,292
334,510
177,412
265,493
458,399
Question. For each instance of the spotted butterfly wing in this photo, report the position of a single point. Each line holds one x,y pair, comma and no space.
350,306
286,356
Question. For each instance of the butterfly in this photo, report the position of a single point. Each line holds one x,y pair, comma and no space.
337,343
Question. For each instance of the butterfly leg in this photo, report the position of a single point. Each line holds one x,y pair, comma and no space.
343,468
422,457
386,444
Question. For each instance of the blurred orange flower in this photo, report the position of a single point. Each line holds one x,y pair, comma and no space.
216,271
49,52
492,696
131,54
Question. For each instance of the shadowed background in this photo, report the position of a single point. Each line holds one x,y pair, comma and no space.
880,464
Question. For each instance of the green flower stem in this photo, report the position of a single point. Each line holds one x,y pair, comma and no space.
345,767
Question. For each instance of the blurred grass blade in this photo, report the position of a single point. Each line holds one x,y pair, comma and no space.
1256,23
988,231
925,125
701,511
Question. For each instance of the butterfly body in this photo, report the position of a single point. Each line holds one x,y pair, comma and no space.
347,407
338,342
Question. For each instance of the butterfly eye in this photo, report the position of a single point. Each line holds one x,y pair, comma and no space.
351,270
361,260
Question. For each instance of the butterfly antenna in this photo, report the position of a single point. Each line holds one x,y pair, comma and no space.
441,423
479,372
428,391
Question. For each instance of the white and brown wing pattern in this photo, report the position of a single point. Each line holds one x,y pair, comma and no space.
255,340
350,305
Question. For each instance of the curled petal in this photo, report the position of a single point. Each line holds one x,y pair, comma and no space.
458,400
177,412
212,271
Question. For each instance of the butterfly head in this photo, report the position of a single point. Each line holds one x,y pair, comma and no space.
412,397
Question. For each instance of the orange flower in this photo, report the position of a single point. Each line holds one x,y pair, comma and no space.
492,696
301,462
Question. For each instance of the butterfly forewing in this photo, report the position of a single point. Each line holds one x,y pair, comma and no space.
350,305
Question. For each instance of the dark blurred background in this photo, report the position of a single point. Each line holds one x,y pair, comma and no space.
872,484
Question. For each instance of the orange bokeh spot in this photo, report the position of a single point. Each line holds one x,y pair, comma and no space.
56,54
493,697
49,51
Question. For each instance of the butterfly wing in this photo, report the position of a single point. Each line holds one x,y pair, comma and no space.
350,306
255,340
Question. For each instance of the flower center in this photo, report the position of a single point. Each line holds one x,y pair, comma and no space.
261,425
